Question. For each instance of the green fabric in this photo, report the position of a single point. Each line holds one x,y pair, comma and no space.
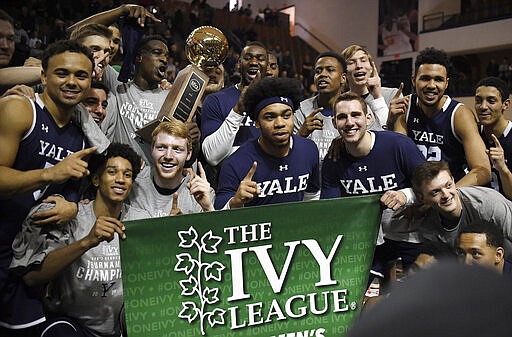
178,271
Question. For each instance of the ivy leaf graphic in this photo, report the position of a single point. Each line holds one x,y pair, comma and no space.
210,242
185,263
188,286
211,295
189,311
187,238
216,317
213,271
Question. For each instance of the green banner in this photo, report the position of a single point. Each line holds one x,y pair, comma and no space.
296,269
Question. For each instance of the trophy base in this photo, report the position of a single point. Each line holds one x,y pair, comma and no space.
147,130
181,101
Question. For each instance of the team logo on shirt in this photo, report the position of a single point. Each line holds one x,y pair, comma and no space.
145,104
429,137
289,185
53,151
138,114
369,184
106,287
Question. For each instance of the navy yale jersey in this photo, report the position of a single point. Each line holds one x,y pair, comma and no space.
435,137
506,143
44,145
279,179
388,166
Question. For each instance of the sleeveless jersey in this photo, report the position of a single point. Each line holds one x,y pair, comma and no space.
436,137
45,145
506,143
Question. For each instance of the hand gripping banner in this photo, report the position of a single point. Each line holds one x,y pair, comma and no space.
295,269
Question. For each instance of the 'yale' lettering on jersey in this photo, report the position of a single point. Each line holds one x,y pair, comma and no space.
53,151
430,137
369,185
290,185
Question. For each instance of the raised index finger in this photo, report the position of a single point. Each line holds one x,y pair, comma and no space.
375,72
399,92
103,58
251,172
314,112
495,141
202,174
174,209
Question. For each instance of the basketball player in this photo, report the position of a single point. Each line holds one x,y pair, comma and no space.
272,66
374,162
224,124
276,167
84,297
95,101
363,79
167,188
41,151
443,129
491,102
312,118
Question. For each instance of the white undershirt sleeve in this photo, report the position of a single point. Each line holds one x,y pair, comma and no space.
409,195
217,146
380,110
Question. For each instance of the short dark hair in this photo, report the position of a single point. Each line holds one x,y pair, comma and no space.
497,83
493,233
437,249
143,43
62,46
255,43
427,171
6,17
432,55
252,44
347,97
337,56
271,87
99,85
98,161
271,53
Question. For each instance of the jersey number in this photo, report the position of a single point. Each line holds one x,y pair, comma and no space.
432,153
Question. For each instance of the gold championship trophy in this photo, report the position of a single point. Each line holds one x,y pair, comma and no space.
205,47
